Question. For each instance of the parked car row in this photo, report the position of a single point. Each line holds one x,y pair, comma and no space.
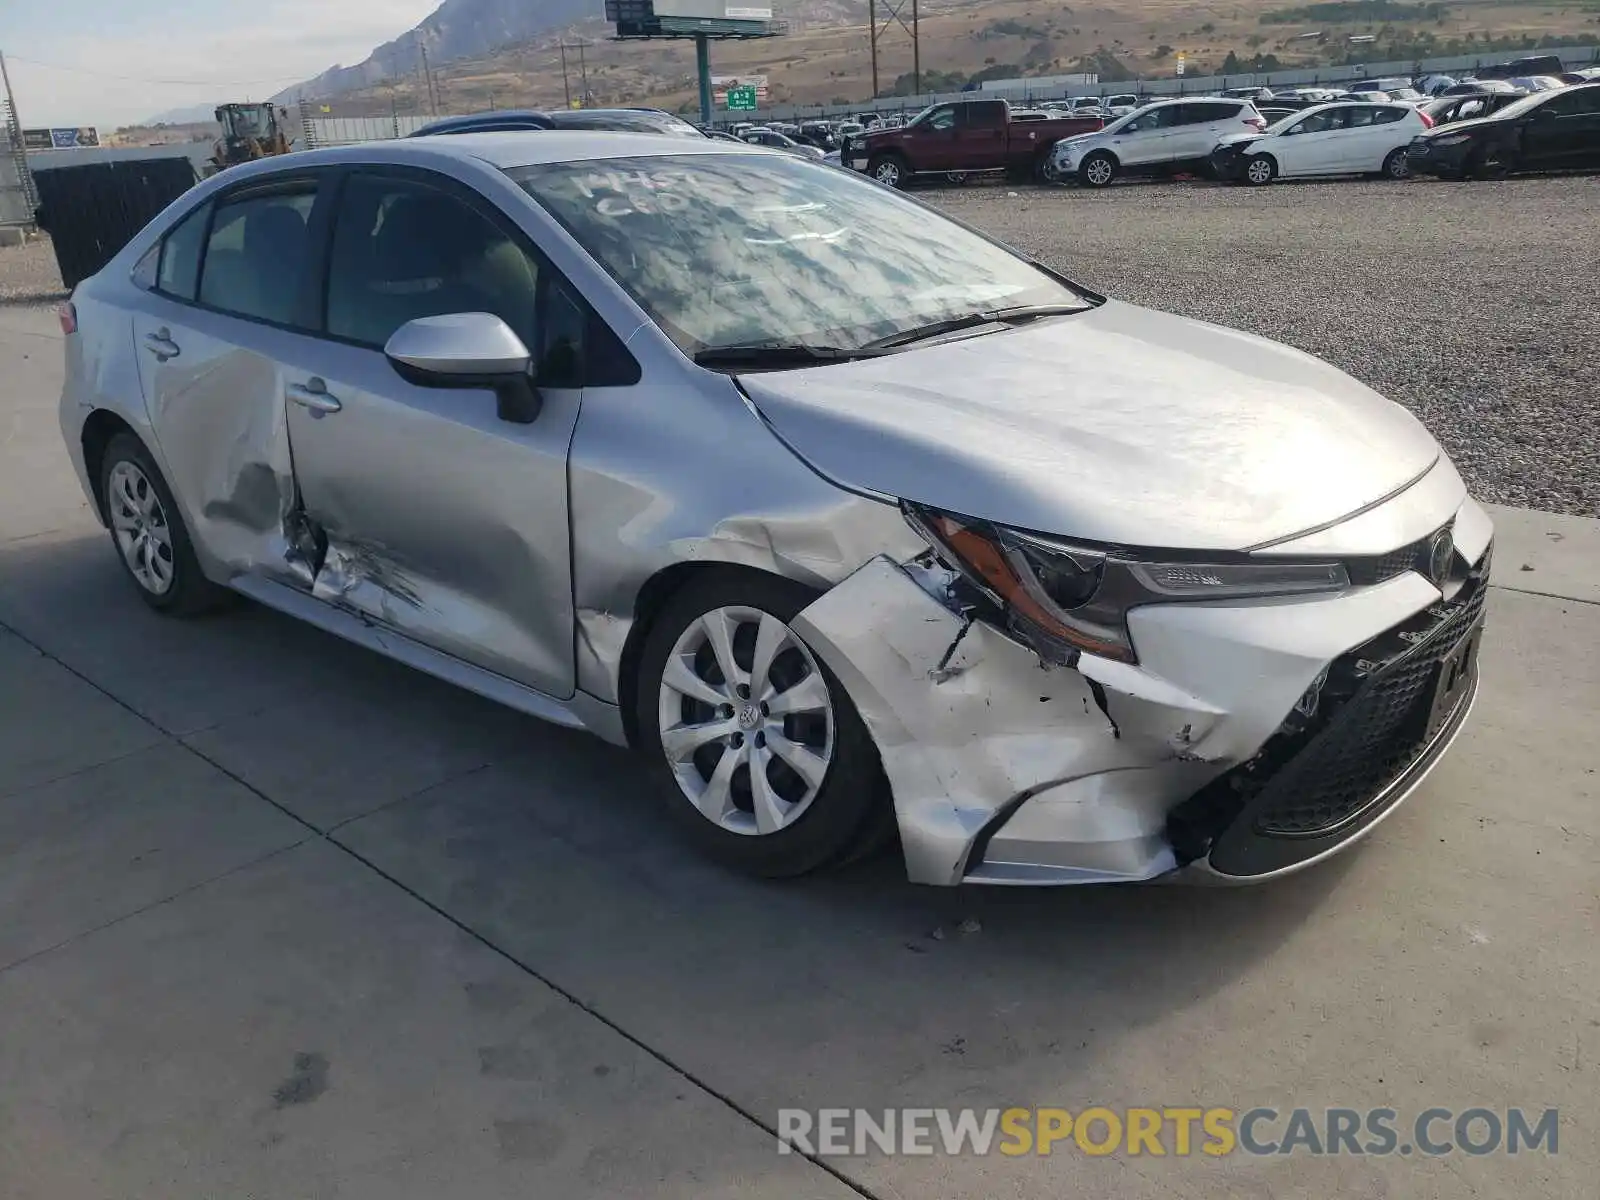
1255,136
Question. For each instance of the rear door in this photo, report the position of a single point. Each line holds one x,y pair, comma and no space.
429,513
985,134
232,286
1363,142
1200,125
1392,128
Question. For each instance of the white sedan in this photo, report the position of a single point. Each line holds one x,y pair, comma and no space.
1329,139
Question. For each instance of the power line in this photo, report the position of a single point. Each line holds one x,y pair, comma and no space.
218,83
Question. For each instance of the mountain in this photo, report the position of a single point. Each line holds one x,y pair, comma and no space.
456,29
193,115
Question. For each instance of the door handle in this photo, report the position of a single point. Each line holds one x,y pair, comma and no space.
314,394
161,345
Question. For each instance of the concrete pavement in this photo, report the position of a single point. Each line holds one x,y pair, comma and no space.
278,918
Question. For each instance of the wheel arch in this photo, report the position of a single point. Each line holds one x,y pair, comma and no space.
652,599
98,429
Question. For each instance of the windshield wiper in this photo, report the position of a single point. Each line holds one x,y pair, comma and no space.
792,354
990,316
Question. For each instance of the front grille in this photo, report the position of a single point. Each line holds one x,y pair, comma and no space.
1368,743
1322,772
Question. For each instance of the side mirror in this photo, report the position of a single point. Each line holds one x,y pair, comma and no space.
468,350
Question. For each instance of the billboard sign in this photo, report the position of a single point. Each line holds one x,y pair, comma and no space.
60,139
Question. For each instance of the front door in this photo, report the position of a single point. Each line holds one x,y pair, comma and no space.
1564,131
932,140
424,510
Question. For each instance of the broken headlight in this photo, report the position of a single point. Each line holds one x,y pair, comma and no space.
1065,599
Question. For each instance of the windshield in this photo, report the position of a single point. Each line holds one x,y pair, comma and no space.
246,122
725,250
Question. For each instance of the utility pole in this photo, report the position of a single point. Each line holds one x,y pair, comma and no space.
583,71
427,79
566,87
916,51
872,26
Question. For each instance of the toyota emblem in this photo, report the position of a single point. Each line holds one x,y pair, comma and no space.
1441,549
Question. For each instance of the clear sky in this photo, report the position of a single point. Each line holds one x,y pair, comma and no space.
127,60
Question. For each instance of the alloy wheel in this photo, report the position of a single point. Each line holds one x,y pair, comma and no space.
1259,171
746,721
1098,172
888,173
1399,166
140,525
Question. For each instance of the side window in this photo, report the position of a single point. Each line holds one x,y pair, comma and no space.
1219,112
1383,116
1472,108
178,272
1564,106
403,250
256,255
1362,116
945,118
984,114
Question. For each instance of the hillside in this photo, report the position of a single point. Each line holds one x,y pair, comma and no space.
456,29
826,57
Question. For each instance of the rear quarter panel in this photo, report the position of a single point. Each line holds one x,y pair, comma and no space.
100,373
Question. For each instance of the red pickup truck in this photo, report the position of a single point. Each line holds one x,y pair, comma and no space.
961,138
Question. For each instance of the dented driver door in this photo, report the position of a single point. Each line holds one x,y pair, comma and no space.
420,508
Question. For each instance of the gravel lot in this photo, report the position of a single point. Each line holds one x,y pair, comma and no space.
1475,305
28,274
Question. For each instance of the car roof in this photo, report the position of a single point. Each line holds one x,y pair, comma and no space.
519,148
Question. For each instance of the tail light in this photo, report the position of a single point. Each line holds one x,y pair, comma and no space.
1427,121
67,314
1257,123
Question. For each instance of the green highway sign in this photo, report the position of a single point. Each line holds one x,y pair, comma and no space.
742,97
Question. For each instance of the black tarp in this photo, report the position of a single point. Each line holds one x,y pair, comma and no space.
93,211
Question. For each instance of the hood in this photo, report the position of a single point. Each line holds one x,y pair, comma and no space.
1079,137
1467,126
1118,424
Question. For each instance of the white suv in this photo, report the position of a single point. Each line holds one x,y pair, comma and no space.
1163,136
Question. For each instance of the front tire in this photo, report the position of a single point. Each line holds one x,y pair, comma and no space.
889,170
761,757
148,532
1260,170
1098,170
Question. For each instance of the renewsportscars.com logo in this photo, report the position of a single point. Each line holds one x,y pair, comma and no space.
1180,1132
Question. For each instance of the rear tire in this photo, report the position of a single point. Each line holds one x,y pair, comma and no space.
773,794
1397,165
149,535
1098,170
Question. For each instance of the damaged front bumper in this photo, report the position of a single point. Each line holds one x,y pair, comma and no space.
1251,739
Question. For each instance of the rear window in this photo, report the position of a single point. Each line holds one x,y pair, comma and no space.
179,271
256,254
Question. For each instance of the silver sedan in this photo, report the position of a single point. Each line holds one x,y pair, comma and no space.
850,520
